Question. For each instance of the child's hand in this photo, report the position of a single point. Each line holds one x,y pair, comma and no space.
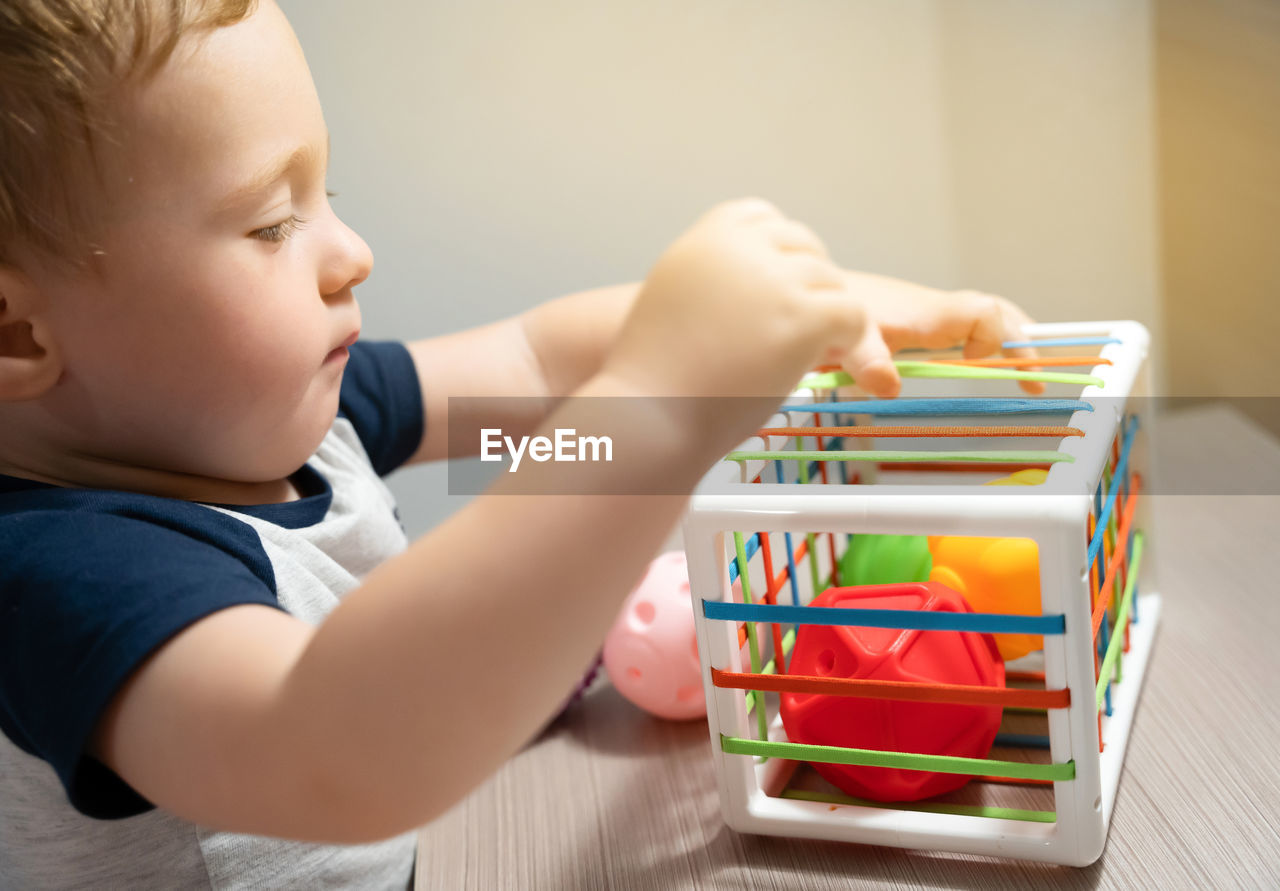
910,315
744,303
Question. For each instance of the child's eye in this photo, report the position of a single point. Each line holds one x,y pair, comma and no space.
280,231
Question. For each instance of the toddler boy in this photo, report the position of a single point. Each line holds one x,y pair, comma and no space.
221,662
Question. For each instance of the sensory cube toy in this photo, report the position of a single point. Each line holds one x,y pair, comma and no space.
767,532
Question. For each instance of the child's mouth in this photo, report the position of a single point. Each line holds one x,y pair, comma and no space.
340,352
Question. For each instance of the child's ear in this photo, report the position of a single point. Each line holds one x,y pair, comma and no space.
30,363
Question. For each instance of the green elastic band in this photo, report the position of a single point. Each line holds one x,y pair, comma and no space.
978,372
789,640
981,457
827,380
1016,770
1122,617
770,667
963,810
754,647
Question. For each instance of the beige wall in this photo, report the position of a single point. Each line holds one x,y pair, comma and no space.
495,153
1219,147
1049,141
499,153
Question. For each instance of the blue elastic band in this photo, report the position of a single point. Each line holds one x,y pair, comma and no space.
750,546
988,623
1122,467
1058,342
1104,636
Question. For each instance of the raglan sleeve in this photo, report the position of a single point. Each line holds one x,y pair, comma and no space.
85,598
381,398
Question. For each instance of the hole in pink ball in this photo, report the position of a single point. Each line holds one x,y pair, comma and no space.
645,612
687,694
633,673
826,662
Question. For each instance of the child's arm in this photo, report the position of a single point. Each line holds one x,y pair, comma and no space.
550,350
445,660
425,678
537,357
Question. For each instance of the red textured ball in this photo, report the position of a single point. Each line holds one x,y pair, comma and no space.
890,654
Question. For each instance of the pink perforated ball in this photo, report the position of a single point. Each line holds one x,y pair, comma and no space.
651,653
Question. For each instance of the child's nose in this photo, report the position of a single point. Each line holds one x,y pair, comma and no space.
348,261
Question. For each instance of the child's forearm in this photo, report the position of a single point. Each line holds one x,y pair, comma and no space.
450,656
532,360
571,336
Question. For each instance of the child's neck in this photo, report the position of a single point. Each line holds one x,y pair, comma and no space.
92,473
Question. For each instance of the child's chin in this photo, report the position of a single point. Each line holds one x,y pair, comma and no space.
286,460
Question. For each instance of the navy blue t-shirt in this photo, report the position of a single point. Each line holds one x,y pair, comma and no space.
93,581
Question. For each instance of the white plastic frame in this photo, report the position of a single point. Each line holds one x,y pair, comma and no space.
1055,515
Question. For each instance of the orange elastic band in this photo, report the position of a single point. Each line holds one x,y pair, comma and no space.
1117,557
1032,362
956,694
942,466
1009,362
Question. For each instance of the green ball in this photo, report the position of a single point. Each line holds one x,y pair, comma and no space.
885,560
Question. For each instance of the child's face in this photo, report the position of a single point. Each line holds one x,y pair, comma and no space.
202,338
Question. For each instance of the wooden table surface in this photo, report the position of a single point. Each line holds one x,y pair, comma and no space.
611,798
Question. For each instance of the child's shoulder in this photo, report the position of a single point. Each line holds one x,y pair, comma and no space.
91,583
105,538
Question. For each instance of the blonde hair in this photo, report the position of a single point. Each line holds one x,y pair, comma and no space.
61,61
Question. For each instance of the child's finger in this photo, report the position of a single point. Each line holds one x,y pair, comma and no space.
871,364
1015,325
993,320
985,320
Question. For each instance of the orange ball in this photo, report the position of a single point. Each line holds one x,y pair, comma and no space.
995,575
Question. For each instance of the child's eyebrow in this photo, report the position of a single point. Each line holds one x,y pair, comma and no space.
302,156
